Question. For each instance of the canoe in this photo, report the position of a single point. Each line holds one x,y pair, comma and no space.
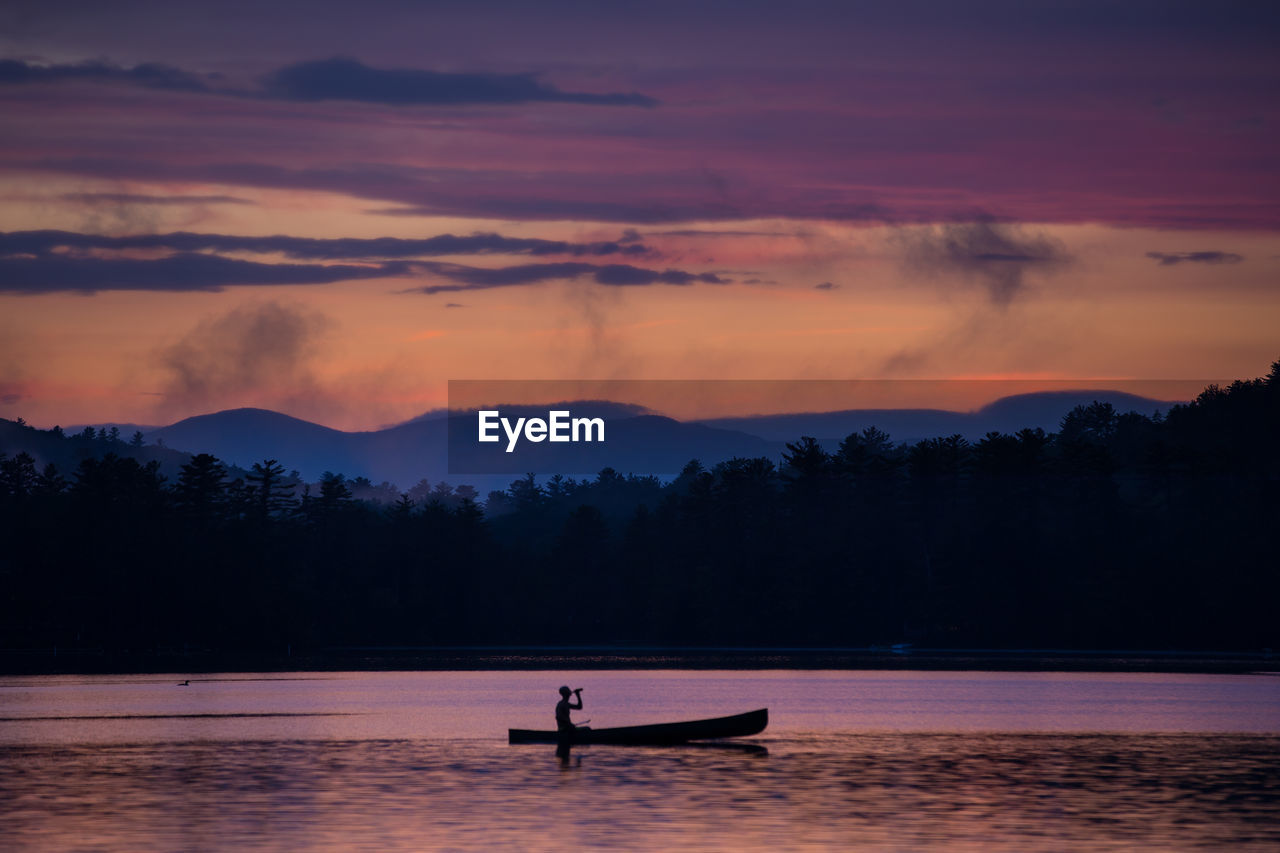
659,734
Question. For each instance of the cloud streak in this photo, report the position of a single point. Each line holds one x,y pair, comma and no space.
148,75
1166,259
641,197
306,248
611,275
343,79
334,79
33,262
490,193
180,272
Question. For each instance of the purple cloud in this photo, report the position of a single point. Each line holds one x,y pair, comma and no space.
149,75
306,248
1166,259
180,272
613,275
343,79
336,79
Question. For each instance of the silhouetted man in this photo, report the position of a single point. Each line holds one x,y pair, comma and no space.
564,706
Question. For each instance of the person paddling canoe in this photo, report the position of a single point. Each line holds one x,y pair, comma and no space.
564,706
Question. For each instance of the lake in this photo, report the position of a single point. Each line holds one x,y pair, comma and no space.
419,761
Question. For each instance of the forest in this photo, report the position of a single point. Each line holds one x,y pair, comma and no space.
1117,531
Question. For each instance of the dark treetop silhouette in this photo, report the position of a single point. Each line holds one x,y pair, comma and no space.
1116,531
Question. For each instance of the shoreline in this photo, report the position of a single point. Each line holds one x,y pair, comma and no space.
481,658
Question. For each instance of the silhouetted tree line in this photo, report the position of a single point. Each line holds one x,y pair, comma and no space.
1117,531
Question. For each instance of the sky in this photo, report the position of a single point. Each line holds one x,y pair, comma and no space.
331,209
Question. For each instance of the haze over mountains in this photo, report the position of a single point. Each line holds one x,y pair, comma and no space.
638,442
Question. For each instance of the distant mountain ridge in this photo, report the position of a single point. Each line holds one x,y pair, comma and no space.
1043,409
418,449
645,443
245,436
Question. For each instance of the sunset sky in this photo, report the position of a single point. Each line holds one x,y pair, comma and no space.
331,209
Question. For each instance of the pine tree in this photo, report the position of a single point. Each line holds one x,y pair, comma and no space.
271,494
201,490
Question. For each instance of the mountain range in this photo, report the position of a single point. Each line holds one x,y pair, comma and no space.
639,442
1043,409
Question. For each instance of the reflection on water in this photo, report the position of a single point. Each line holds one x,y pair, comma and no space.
907,791
414,761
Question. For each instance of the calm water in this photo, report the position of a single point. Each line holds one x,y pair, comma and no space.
413,761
